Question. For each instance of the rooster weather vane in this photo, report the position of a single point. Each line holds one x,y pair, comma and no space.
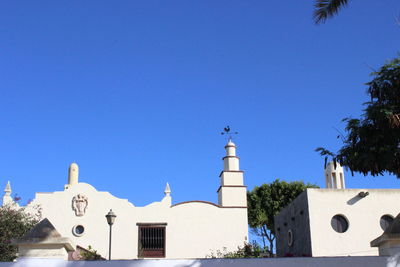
227,131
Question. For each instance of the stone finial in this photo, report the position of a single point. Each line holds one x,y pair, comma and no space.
167,190
7,199
7,190
73,174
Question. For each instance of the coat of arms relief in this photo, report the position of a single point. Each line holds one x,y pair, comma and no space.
79,204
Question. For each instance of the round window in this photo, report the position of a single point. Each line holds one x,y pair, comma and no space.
339,223
290,238
78,230
385,221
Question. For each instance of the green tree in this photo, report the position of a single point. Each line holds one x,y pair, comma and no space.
372,143
327,8
14,223
265,201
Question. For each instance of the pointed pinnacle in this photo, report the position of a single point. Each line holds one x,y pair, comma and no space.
167,190
8,188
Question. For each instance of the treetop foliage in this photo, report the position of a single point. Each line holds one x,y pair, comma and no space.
327,8
372,143
266,201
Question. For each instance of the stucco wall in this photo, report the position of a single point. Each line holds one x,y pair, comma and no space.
273,262
313,230
193,230
362,214
197,229
295,218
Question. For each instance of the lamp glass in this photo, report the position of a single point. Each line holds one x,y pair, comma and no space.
111,217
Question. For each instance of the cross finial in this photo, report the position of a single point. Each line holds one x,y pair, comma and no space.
227,131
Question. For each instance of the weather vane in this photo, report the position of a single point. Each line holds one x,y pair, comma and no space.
227,131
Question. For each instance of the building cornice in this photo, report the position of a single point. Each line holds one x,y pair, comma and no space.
236,157
230,186
210,203
228,171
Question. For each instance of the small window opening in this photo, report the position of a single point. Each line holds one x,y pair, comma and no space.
339,223
151,241
290,238
341,180
385,221
334,181
78,230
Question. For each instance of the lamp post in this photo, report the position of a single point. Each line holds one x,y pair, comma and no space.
110,220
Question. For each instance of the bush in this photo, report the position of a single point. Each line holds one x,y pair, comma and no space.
249,250
14,223
90,254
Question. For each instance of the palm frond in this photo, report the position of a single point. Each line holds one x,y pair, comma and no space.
327,8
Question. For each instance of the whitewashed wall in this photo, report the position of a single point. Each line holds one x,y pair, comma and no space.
276,262
194,229
309,219
363,215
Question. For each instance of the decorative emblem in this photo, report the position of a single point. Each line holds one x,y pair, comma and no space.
79,204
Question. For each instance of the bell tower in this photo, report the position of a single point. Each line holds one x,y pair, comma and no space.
232,192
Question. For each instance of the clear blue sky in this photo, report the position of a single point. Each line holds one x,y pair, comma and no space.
136,92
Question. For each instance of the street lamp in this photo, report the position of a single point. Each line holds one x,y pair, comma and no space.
110,220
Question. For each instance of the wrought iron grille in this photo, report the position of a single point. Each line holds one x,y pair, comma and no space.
151,241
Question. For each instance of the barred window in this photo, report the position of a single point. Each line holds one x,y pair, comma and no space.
151,240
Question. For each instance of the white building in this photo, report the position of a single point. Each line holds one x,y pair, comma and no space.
191,229
335,221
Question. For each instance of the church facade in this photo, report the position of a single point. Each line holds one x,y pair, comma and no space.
191,229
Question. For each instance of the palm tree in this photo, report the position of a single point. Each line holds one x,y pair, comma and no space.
327,8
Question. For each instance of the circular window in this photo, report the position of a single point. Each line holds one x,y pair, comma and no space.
385,221
78,230
290,238
339,223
